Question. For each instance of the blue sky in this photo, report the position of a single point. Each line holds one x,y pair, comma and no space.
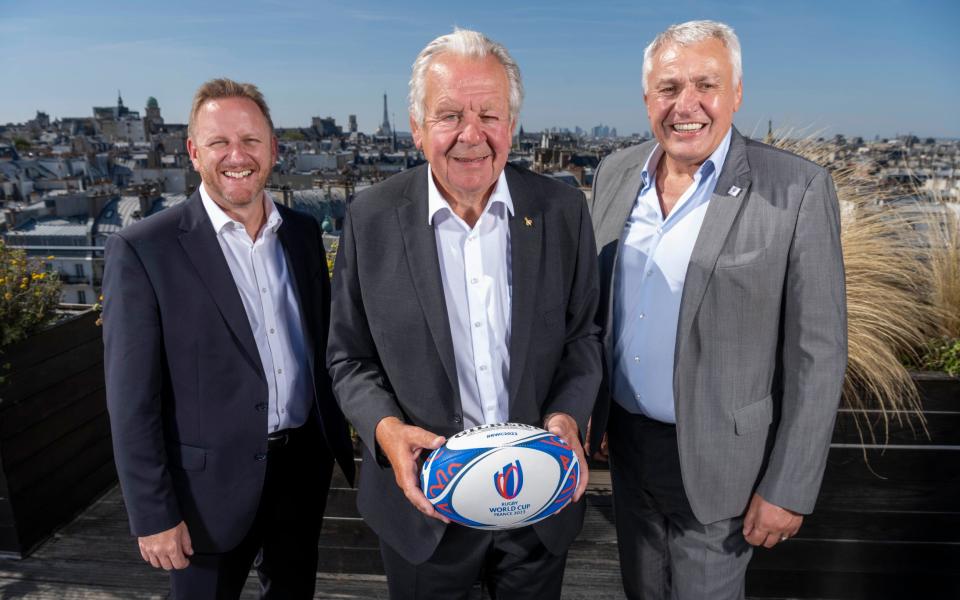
855,67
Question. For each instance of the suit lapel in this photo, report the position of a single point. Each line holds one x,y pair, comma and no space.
296,253
625,192
526,245
420,245
200,243
721,213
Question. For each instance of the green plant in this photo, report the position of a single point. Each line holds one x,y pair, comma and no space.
28,294
943,355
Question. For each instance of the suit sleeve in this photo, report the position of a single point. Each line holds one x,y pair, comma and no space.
577,378
133,355
359,382
814,351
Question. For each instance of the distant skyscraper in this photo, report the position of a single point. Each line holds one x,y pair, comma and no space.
385,129
352,123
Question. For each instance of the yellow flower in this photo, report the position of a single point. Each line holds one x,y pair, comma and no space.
51,257
23,286
8,296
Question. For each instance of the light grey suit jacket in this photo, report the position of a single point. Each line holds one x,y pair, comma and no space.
761,340
391,352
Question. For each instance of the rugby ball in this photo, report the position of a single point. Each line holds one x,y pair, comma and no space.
500,476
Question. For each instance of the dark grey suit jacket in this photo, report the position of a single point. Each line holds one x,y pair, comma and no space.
762,338
391,351
185,387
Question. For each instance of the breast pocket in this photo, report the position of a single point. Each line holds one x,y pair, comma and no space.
731,261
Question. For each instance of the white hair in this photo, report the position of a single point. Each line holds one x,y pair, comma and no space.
694,32
471,44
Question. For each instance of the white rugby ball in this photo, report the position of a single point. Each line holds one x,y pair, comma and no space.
500,476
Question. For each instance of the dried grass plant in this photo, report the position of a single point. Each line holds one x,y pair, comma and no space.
944,256
889,313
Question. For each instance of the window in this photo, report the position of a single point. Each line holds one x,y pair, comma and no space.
78,268
81,295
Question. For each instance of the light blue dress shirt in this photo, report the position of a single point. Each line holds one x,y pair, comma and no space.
650,272
475,268
265,285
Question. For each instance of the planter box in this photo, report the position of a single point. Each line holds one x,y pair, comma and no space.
55,450
884,527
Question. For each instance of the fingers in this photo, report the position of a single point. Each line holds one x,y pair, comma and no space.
403,444
564,427
165,550
185,542
584,478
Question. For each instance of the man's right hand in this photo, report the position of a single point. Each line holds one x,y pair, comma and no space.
403,444
168,549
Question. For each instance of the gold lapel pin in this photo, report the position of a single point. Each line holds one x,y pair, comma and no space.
528,221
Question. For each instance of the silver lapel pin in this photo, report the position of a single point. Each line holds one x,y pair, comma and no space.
734,191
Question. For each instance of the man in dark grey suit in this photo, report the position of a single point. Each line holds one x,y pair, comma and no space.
464,293
724,315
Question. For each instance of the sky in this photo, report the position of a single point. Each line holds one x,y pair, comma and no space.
861,68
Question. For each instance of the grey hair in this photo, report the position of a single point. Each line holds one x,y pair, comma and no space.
694,32
466,43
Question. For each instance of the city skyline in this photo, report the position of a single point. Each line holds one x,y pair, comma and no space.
861,69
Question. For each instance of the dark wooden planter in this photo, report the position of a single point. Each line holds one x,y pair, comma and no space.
55,450
884,527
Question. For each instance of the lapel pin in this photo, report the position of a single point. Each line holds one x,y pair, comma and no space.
733,191
528,221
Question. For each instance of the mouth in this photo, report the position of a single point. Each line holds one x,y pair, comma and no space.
237,174
687,127
470,159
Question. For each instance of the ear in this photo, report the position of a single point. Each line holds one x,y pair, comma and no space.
416,132
192,153
275,150
739,95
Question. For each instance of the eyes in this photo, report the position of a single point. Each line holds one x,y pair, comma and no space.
669,89
454,118
220,143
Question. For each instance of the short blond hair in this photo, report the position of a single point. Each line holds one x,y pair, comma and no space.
227,88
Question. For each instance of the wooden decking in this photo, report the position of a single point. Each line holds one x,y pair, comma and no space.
94,557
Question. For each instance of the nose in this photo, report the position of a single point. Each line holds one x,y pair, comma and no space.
688,101
471,133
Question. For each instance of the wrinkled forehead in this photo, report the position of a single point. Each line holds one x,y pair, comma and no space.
451,74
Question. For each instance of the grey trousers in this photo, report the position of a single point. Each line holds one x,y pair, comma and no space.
665,553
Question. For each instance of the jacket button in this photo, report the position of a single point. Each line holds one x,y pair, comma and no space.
260,456
262,407
457,419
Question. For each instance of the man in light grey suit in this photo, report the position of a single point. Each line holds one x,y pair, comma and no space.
464,293
723,307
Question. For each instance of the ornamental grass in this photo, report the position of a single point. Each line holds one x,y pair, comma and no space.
890,311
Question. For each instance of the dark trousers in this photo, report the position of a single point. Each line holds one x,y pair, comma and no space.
282,542
512,565
665,553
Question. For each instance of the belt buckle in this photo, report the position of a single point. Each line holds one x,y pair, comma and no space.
278,440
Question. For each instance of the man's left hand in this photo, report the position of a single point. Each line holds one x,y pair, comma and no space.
767,524
564,427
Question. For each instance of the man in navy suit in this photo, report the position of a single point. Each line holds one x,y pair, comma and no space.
216,315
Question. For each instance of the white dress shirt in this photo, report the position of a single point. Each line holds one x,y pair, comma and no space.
259,269
651,270
475,266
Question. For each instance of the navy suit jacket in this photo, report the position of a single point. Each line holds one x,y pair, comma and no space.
185,388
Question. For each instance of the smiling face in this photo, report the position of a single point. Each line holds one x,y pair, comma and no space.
467,129
234,150
691,99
